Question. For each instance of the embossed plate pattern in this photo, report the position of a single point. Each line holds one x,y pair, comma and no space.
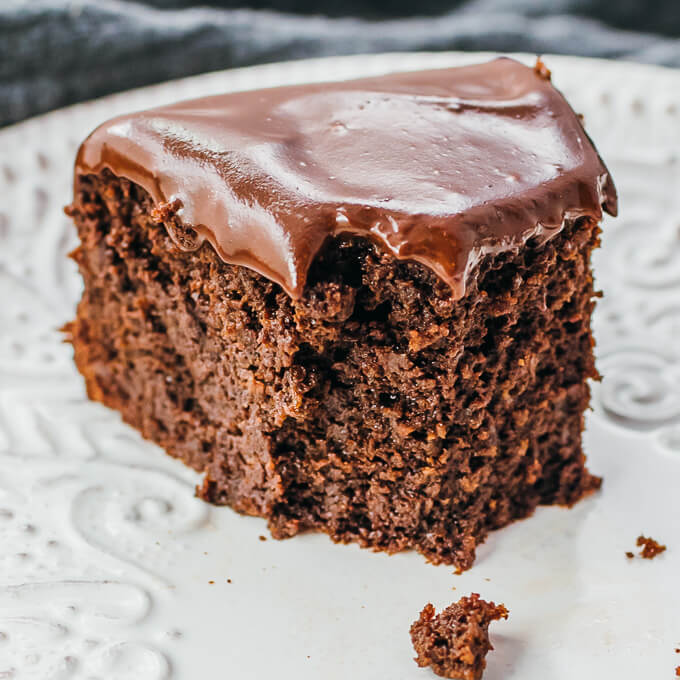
110,569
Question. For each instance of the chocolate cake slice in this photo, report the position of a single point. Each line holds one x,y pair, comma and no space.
358,307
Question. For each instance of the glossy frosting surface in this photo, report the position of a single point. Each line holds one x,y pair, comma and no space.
439,166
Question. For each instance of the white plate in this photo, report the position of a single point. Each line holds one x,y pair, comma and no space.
107,561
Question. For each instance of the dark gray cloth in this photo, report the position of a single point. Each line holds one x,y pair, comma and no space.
56,52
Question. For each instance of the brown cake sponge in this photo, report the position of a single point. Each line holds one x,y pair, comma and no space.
455,642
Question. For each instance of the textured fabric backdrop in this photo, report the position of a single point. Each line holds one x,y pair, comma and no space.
56,52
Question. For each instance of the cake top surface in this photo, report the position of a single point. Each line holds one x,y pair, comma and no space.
440,166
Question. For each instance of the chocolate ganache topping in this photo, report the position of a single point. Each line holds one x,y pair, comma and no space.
441,167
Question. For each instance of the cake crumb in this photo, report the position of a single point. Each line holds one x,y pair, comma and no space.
263,538
211,582
455,642
650,547
629,555
541,69
164,211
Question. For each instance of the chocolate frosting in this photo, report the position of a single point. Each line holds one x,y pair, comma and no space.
441,167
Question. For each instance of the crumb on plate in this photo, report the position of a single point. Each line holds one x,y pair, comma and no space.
650,547
455,642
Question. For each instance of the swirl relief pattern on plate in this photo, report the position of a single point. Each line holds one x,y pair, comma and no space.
637,323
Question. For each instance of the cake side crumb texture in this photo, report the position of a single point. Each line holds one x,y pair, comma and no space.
377,408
